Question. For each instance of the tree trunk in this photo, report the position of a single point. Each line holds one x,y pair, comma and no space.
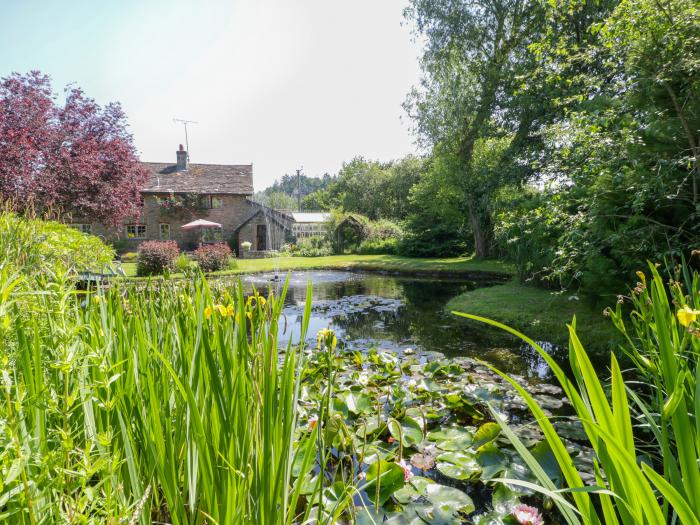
480,230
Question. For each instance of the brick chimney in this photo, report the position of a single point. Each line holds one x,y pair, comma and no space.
182,159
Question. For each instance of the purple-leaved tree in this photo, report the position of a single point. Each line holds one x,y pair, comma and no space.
75,157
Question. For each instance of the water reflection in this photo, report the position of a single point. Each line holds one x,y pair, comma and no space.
397,313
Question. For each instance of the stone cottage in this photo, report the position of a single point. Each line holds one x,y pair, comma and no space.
178,193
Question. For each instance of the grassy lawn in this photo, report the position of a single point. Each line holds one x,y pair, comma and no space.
390,263
538,313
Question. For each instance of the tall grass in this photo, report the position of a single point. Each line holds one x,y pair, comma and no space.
165,404
647,444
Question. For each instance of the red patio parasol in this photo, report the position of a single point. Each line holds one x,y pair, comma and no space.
200,224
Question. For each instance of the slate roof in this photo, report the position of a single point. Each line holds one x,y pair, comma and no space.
222,179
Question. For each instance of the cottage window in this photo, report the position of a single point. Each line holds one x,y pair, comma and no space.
136,231
211,202
212,235
85,228
164,231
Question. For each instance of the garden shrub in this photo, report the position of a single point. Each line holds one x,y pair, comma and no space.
213,257
315,246
155,257
34,247
130,257
119,245
39,261
437,240
384,229
379,246
383,236
182,263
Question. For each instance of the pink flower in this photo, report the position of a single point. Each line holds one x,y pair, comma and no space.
527,515
407,472
313,421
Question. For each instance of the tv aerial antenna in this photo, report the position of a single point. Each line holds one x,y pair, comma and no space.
184,122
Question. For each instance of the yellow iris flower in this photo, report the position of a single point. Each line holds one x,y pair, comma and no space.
687,315
327,335
207,312
258,300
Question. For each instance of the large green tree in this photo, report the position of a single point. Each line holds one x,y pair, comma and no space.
475,57
619,153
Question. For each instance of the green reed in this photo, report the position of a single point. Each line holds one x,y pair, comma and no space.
169,403
646,440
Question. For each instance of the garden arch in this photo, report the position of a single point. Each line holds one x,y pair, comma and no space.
350,229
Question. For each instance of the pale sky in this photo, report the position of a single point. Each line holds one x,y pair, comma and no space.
280,83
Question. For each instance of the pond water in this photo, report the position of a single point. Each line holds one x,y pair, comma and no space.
399,314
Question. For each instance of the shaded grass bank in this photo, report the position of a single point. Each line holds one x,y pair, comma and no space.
539,313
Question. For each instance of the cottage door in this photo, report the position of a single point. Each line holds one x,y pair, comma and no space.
261,237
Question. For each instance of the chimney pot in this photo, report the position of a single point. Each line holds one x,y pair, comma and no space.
182,159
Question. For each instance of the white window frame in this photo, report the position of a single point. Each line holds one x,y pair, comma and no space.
160,231
136,228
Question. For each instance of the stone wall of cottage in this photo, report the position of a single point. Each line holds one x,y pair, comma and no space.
234,210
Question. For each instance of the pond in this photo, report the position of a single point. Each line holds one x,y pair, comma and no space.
399,314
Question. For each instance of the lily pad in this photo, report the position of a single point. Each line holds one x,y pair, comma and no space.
358,402
549,402
368,427
408,431
486,433
391,478
492,461
545,457
447,504
428,385
458,465
451,438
